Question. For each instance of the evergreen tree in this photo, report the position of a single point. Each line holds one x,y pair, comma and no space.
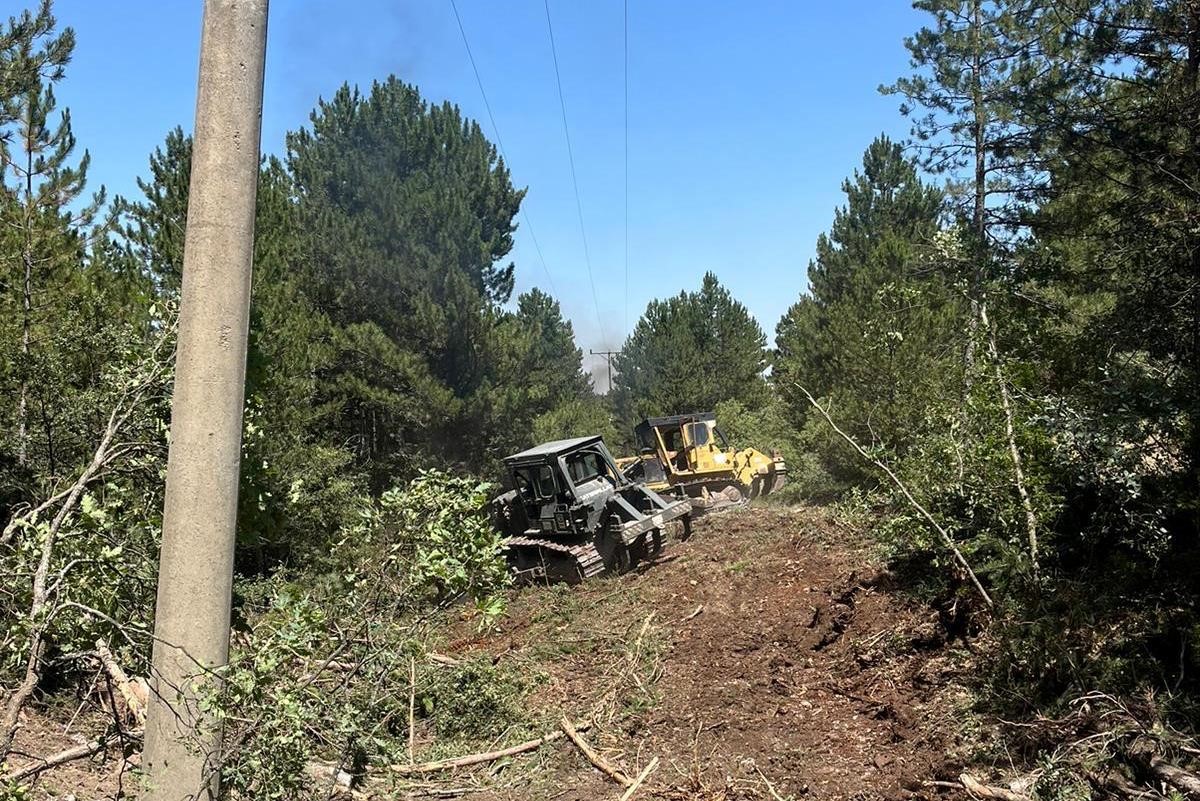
972,70
45,238
876,308
407,211
155,227
688,353
1116,264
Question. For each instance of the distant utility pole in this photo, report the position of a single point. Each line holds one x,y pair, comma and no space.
191,627
608,357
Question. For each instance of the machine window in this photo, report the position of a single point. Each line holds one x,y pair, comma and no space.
724,442
585,466
698,432
538,481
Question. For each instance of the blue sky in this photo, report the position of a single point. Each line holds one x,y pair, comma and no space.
744,117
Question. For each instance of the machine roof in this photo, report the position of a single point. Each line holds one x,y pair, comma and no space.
677,419
553,447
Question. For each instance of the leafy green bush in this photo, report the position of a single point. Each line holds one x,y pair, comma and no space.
438,531
474,698
268,707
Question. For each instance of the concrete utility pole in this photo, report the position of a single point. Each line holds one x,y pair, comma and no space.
200,513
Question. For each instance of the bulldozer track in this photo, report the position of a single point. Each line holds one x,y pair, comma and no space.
587,557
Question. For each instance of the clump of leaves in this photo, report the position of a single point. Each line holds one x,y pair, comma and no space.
266,708
439,531
14,791
474,698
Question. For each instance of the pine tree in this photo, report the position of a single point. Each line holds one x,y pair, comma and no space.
690,352
877,307
972,70
39,186
155,224
407,212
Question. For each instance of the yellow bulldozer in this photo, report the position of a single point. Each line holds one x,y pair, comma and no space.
687,456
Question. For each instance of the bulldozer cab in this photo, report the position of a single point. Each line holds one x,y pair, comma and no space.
686,443
560,473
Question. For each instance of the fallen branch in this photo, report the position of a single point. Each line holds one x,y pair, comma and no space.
945,535
134,695
412,705
442,659
605,767
489,756
41,610
770,787
694,614
1182,780
641,777
980,790
62,757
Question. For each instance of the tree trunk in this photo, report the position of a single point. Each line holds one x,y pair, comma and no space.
1193,84
26,300
26,337
978,217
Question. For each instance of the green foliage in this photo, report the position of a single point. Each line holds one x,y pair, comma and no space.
437,527
879,303
474,698
415,315
267,709
688,353
14,791
580,417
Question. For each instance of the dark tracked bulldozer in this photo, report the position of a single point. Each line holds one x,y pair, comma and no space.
572,514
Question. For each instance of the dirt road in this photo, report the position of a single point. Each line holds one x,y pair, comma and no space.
765,658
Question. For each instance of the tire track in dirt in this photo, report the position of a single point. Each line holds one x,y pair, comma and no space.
806,668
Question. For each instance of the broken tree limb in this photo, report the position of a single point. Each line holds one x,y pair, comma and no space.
41,610
134,700
1184,781
641,777
442,659
945,535
980,790
1013,451
82,751
477,759
694,614
69,755
412,705
603,765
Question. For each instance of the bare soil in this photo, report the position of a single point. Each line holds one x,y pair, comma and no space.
768,657
805,674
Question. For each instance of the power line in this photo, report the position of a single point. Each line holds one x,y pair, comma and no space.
500,143
587,258
626,167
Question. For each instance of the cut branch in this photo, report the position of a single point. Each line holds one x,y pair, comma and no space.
945,535
602,764
134,695
641,777
477,759
1031,527
40,613
980,790
1182,780
62,757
